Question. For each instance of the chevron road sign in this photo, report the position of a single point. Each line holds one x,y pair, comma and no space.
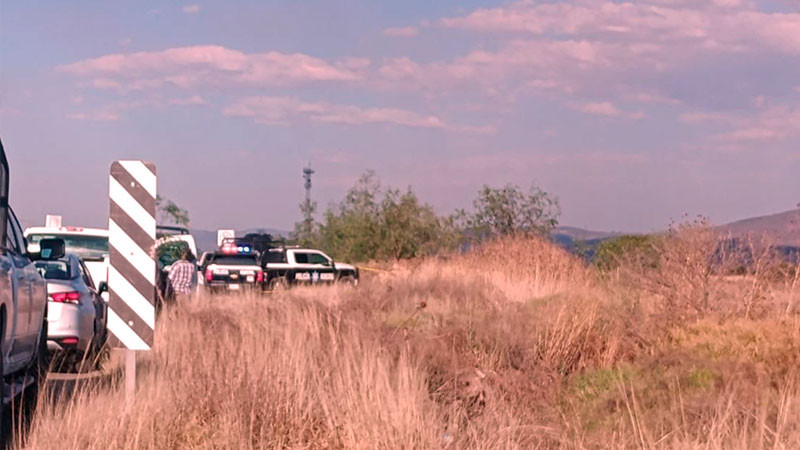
132,269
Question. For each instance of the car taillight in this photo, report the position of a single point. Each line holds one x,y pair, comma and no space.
209,275
260,276
66,297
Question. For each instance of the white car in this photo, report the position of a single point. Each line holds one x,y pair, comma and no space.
76,313
89,244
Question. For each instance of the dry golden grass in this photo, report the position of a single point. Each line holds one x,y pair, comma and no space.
515,345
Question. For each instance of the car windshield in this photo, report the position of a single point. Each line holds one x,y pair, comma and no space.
234,260
85,247
54,270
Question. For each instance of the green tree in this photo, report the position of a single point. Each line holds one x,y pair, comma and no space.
170,212
640,248
350,229
305,231
510,210
408,227
372,222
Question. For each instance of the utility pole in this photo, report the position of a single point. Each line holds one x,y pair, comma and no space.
308,206
307,172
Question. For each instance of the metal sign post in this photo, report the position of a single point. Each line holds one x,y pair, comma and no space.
130,375
132,267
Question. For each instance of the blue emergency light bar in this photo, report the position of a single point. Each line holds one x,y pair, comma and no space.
230,247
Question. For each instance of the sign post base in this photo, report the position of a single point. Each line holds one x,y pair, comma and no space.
130,375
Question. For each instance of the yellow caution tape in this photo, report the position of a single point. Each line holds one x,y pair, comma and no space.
370,269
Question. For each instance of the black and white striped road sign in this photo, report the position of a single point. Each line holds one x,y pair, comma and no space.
132,269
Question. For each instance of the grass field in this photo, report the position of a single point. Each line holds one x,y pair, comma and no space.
515,345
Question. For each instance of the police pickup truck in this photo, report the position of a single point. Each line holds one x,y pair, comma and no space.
23,304
234,267
290,266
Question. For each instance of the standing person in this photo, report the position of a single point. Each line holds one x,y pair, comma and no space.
183,276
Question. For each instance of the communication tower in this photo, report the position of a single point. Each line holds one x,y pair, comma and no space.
308,209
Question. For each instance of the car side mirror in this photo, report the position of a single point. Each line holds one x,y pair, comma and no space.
102,287
50,249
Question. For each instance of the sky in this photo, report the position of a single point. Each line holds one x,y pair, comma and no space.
633,114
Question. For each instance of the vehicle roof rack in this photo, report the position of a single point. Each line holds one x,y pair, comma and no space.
174,229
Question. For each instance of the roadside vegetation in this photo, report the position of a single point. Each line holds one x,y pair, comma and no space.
374,222
675,343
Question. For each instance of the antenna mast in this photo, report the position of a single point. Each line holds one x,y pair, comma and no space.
307,172
308,208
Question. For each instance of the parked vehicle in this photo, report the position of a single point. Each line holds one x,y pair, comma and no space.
23,304
89,244
170,244
168,234
233,268
289,266
76,313
202,263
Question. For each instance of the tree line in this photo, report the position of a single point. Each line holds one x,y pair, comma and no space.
376,222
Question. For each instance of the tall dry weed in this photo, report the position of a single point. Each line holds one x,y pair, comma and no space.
694,271
514,345
253,373
524,267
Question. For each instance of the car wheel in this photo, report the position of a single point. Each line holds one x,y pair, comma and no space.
100,350
41,363
38,372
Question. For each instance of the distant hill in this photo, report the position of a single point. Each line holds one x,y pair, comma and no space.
580,241
782,228
207,240
579,234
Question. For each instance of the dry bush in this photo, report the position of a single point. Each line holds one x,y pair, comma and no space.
693,271
511,346
524,267
254,373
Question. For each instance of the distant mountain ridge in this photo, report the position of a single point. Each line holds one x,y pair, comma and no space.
782,229
579,241
579,234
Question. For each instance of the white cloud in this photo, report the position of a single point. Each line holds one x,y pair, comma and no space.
286,110
606,109
10,112
191,9
767,123
721,25
401,31
190,67
188,101
115,111
595,48
103,116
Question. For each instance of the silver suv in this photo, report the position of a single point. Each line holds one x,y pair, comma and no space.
23,303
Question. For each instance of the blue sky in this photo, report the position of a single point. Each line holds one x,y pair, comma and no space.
633,114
